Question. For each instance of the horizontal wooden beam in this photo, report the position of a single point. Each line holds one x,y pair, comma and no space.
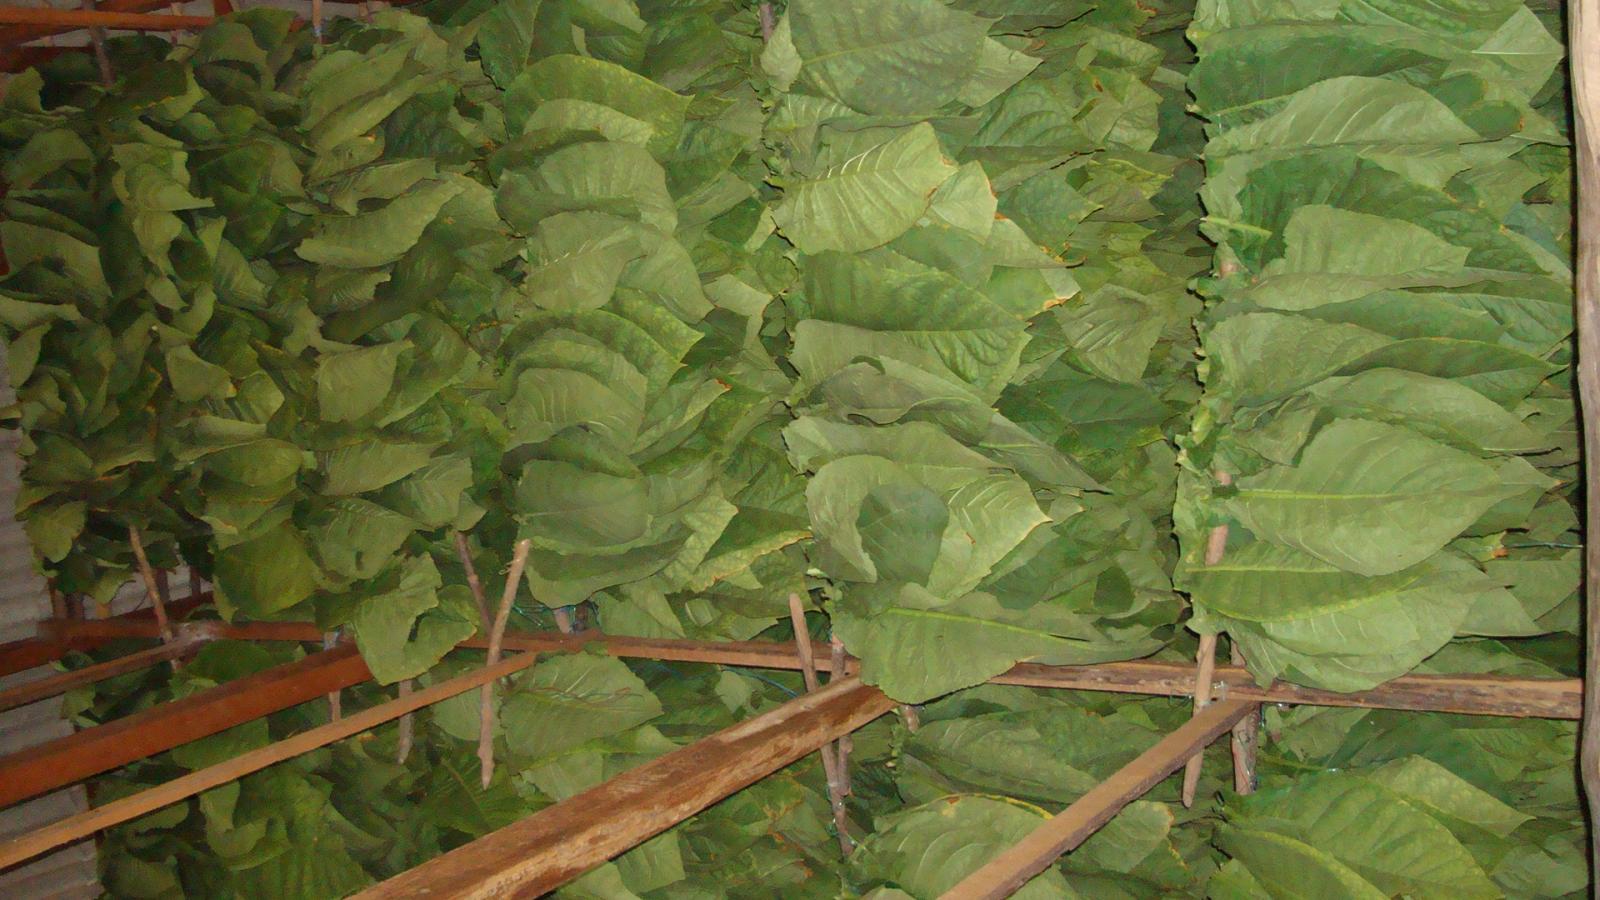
70,19
1017,865
45,767
62,682
42,840
1489,695
561,842
17,34
20,656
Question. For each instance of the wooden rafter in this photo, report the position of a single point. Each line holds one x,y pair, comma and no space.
19,656
1006,873
72,19
1491,695
83,824
561,842
54,764
55,685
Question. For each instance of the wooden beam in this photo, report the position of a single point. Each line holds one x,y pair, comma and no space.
561,842
54,764
83,824
1008,872
1583,53
20,656
62,682
70,19
18,34
1487,695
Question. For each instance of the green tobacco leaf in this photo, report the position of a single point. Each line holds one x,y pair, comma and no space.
1282,867
1375,832
354,383
380,237
569,700
601,83
1301,618
928,849
267,574
1369,498
894,58
405,631
867,200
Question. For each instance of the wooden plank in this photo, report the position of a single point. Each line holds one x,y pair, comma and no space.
1487,695
98,18
116,812
20,656
561,842
1583,46
1006,873
54,764
17,34
62,682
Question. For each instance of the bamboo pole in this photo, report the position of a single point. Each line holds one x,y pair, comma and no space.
1583,18
149,800
486,718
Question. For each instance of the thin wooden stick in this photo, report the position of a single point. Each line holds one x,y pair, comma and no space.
1217,540
196,586
837,666
1207,660
335,698
97,40
86,823
1246,735
407,727
830,762
496,634
148,576
1473,695
473,582
316,19
767,21
54,685
1006,873
1583,52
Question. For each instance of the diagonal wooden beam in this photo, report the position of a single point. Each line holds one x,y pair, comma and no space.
1485,695
19,656
72,828
561,842
62,682
1005,874
54,764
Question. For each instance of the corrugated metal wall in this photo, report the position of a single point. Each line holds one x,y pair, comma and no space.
71,872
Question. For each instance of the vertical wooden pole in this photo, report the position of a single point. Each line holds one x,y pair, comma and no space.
830,762
496,634
1583,18
335,697
148,576
1246,734
464,551
407,728
1207,659
97,39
